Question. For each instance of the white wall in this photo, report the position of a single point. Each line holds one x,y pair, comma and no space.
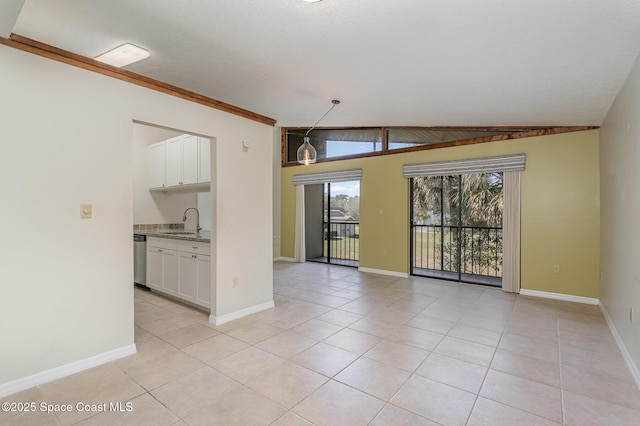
204,207
66,283
620,213
242,219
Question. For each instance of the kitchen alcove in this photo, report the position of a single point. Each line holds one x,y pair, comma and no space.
167,206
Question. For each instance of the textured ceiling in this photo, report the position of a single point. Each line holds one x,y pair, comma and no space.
390,62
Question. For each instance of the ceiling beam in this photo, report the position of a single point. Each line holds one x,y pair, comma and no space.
47,51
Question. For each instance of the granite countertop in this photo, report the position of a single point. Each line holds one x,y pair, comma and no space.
178,234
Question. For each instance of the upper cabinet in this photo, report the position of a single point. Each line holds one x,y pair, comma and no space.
179,162
157,165
182,160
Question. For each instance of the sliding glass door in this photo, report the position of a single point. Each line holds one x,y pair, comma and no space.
332,227
456,227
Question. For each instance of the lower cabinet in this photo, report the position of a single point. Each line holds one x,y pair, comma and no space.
162,268
180,268
203,286
194,278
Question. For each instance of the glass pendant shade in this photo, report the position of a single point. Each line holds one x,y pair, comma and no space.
306,153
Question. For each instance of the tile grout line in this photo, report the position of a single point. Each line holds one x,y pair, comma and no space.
361,356
386,403
562,405
513,308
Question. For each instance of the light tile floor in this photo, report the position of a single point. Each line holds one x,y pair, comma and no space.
349,348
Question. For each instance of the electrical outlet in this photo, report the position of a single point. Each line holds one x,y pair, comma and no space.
235,282
556,269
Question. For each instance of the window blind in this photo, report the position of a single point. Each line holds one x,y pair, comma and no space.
330,177
502,163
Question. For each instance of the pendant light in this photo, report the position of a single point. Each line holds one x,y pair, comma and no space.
307,154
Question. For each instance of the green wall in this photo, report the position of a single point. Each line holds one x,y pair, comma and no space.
560,208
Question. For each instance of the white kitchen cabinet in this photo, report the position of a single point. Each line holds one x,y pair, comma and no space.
174,161
157,166
170,272
154,268
180,268
187,276
194,283
194,276
180,162
190,159
203,283
162,269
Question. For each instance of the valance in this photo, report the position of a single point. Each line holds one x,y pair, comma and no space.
503,163
330,177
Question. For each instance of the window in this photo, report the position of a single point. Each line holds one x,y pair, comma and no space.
332,222
333,143
457,227
407,138
339,144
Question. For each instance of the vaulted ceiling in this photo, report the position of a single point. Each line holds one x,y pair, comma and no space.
390,62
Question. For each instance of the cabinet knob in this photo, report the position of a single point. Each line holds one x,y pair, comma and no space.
159,250
194,256
195,248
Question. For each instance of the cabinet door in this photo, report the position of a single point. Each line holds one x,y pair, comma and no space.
174,161
189,159
203,296
204,166
154,268
169,271
187,275
157,165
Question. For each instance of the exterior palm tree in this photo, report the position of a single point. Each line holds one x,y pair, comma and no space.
437,198
466,210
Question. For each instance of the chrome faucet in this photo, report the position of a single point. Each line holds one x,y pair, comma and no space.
184,218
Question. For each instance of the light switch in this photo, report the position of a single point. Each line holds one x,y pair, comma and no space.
85,211
246,144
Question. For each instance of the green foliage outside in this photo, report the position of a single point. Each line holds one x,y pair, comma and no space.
350,206
347,247
458,213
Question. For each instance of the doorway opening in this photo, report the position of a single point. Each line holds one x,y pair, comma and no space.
456,227
332,223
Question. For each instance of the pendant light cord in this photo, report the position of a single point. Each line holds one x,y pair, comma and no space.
334,102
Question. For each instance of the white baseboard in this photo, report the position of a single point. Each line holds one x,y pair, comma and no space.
65,370
384,272
633,368
239,314
559,296
284,259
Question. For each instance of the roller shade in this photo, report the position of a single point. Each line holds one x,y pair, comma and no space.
502,163
319,178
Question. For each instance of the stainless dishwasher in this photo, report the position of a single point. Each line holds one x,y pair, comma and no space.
140,259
